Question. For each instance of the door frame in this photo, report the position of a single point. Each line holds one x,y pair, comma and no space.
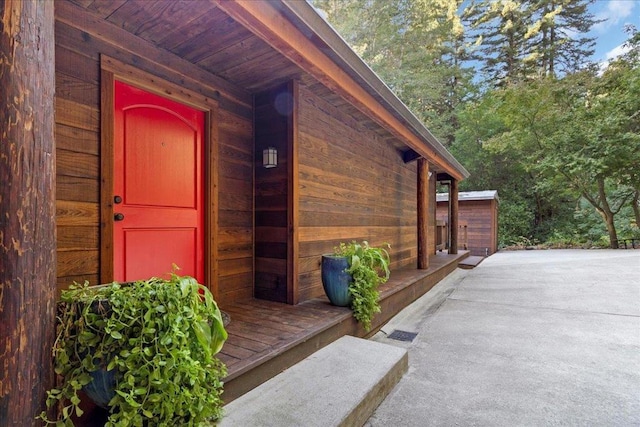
111,70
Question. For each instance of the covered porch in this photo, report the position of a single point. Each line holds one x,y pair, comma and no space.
267,337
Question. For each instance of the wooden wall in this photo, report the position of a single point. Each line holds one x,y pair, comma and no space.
481,217
353,186
80,40
273,128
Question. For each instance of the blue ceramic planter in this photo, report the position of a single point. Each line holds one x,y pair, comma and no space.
103,387
335,280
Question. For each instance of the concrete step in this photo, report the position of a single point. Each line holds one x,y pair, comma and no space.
339,385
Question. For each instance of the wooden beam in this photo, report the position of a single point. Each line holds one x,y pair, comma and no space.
27,209
107,135
263,19
453,219
410,155
423,213
444,177
293,204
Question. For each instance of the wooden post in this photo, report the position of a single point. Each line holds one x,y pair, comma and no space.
423,213
453,217
27,209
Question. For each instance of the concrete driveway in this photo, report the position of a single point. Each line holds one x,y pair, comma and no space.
528,338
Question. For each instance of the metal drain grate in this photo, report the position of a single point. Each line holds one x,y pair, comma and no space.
402,335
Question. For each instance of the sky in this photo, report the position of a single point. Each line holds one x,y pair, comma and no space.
610,35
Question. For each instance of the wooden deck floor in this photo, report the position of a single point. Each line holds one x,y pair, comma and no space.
267,337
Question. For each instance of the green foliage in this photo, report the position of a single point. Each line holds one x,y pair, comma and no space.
160,337
498,31
519,41
516,223
547,144
557,37
416,47
369,267
546,130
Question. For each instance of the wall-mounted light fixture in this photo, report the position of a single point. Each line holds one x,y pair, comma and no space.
269,157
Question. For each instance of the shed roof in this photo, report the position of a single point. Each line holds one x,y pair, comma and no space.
470,195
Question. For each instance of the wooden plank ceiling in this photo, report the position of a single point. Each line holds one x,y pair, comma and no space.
201,33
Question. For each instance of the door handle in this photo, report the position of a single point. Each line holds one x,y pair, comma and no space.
118,216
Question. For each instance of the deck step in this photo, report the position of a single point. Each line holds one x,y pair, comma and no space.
470,262
339,385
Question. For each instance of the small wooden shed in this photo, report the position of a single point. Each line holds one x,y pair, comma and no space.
479,210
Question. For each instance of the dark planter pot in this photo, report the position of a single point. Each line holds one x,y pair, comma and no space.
102,388
335,280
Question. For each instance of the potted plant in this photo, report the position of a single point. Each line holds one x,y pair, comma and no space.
144,350
351,275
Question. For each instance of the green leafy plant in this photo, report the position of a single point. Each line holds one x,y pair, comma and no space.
157,337
369,267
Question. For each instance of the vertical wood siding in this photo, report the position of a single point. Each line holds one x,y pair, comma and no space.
273,128
353,186
78,148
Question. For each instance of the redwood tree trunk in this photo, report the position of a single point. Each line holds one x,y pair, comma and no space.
27,208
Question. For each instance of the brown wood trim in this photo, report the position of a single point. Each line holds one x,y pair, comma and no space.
410,155
211,203
144,80
453,220
107,92
113,69
264,20
293,294
432,213
423,213
253,198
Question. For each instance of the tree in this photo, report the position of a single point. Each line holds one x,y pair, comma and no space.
498,29
557,35
526,207
628,65
578,133
521,41
417,47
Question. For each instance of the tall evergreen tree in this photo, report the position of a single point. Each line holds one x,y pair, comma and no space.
523,41
417,48
498,30
557,36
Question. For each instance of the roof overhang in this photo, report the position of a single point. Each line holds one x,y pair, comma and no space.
298,32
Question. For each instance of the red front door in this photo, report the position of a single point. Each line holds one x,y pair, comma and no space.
158,183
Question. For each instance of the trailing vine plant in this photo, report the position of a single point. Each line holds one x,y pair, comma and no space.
369,267
156,338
